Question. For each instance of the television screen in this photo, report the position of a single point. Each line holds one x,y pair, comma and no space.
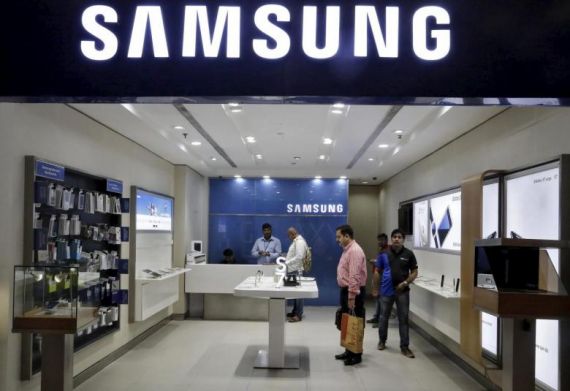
406,218
154,211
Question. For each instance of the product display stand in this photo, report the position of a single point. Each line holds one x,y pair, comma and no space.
518,283
276,356
72,217
57,362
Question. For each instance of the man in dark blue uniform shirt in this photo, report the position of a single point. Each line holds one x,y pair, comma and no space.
398,268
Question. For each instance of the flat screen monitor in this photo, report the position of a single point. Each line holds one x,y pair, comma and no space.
197,246
153,211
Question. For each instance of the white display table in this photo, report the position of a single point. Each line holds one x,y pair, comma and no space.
275,356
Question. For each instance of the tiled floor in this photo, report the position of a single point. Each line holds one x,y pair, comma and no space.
219,355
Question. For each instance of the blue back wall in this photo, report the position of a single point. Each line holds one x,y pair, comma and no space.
239,207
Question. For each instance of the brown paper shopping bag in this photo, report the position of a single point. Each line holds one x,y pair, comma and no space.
352,333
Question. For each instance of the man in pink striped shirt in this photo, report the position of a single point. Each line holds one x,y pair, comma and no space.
351,278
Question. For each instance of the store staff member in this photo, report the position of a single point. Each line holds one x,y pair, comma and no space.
267,248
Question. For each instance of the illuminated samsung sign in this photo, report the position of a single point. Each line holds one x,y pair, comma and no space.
430,30
315,208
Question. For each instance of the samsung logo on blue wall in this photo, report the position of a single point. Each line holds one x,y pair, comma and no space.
429,24
315,208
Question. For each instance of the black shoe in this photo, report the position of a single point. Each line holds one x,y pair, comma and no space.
408,353
290,314
372,320
353,360
381,345
342,356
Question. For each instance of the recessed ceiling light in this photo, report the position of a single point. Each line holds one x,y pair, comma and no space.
250,139
182,147
327,141
196,143
336,111
178,127
237,110
342,177
398,131
258,156
213,159
233,104
383,146
396,150
370,159
364,182
322,157
318,177
339,105
297,157
266,177
237,176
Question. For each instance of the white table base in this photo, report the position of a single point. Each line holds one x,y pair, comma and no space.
275,356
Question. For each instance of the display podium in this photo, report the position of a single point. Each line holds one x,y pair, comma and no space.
276,356
516,280
58,302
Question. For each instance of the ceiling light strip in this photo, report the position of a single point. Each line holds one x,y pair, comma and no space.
196,125
370,140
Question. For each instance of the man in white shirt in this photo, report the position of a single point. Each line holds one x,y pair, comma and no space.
295,256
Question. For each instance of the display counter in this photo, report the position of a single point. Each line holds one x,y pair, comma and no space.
276,355
211,289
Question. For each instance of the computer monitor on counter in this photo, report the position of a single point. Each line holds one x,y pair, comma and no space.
197,246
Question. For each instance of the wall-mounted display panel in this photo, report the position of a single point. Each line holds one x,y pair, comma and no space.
490,340
421,227
153,282
532,211
444,216
153,212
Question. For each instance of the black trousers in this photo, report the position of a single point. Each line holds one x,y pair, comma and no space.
359,309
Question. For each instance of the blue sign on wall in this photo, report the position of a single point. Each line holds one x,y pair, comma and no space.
50,171
114,186
239,207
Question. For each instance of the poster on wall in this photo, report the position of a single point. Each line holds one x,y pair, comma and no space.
444,216
421,236
532,211
490,229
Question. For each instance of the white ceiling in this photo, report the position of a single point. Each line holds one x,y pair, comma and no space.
283,132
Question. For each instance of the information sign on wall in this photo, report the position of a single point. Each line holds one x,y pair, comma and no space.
239,208
72,50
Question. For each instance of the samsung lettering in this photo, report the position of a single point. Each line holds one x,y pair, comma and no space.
315,208
429,24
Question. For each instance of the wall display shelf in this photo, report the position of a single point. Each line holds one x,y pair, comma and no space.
154,281
161,274
433,285
73,220
516,280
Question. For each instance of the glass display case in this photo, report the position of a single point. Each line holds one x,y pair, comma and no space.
60,299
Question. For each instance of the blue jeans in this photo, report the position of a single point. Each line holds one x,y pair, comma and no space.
403,309
298,305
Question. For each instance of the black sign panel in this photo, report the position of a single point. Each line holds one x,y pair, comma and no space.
392,51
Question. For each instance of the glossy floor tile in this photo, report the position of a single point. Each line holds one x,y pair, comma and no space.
218,355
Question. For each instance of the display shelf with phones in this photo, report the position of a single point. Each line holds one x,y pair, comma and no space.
73,219
154,281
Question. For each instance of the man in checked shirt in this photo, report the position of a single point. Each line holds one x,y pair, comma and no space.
351,278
